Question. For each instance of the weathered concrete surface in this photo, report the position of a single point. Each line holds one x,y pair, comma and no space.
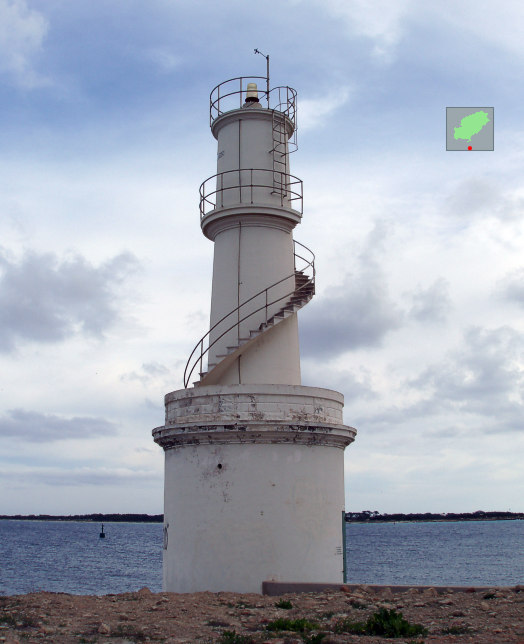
237,514
254,413
276,588
254,483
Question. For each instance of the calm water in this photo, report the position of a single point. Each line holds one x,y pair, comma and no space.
460,553
70,557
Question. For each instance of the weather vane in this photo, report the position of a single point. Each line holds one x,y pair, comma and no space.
267,73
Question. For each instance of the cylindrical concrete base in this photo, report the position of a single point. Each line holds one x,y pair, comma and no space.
254,487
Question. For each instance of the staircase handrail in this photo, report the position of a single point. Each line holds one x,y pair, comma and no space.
236,324
200,343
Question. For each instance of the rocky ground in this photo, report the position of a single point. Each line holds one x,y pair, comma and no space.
492,616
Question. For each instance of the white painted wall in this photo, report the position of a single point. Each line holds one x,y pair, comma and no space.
244,142
251,253
254,486
273,358
271,512
248,259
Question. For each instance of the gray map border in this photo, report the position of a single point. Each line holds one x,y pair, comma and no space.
468,107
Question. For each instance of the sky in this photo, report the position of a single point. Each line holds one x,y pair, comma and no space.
105,276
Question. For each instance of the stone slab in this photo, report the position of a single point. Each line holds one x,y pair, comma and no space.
275,588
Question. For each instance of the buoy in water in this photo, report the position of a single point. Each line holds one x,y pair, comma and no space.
102,534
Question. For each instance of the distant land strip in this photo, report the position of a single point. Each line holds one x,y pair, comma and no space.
366,516
99,518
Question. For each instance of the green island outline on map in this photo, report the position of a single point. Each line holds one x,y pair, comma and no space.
470,125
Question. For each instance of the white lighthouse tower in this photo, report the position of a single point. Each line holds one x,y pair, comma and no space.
254,467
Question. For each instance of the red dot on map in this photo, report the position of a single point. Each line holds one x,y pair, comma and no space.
469,147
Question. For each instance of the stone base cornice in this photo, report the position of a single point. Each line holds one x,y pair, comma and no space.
248,414
332,436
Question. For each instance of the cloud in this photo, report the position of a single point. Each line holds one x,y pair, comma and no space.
98,477
148,372
486,368
164,60
477,389
431,304
82,476
511,288
380,21
196,319
484,197
314,112
491,25
155,369
22,32
354,387
473,196
357,313
43,299
386,23
44,428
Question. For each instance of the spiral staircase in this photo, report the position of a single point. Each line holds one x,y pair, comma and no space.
291,302
239,186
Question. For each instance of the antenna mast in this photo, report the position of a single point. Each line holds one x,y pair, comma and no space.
267,73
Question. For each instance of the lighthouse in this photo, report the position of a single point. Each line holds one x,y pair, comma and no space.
254,461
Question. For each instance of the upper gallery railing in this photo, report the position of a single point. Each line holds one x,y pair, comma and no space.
231,94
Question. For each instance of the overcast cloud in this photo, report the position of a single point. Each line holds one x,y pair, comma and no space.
41,428
476,389
22,33
357,313
105,276
432,304
46,300
512,287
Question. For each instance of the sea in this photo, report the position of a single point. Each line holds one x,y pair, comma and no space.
70,557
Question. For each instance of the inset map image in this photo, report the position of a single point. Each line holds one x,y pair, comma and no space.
469,128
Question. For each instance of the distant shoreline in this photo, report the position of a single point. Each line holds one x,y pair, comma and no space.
87,518
435,520
351,517
428,517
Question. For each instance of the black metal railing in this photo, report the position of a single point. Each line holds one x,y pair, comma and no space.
287,187
308,288
231,94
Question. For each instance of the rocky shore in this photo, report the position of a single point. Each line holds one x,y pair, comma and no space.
480,616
